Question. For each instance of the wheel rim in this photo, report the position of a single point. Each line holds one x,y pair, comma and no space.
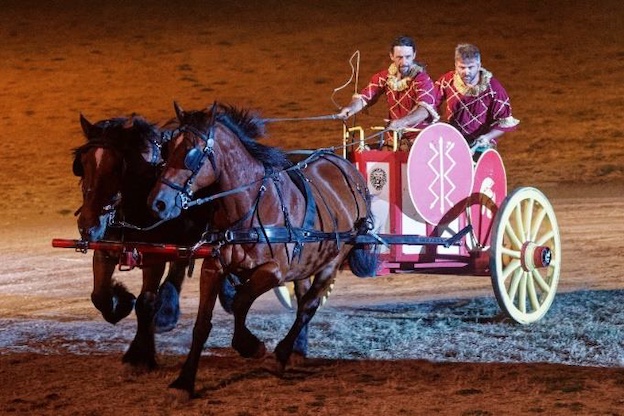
525,255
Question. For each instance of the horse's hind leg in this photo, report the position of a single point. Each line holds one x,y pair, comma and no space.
142,351
301,343
168,298
209,285
112,299
262,279
306,309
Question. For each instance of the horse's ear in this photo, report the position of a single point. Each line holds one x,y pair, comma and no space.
179,111
85,124
129,123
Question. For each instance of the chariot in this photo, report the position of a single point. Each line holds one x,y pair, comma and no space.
438,208
457,199
271,219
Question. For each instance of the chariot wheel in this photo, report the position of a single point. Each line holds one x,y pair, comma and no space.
286,295
525,255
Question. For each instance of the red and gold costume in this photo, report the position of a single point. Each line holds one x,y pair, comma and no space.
404,95
475,110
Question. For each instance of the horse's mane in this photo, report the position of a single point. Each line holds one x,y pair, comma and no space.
247,126
125,135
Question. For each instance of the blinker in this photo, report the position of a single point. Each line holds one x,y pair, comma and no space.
193,159
77,168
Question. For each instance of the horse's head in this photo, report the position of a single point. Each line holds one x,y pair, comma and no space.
120,155
216,150
185,170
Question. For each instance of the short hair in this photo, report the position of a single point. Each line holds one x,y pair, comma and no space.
467,52
403,41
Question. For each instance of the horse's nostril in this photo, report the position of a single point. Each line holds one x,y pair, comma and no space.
160,205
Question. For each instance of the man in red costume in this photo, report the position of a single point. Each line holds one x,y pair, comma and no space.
474,101
408,88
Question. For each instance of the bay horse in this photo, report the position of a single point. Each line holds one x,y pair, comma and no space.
274,221
118,165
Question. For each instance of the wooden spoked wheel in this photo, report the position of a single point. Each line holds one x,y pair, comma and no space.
525,255
286,295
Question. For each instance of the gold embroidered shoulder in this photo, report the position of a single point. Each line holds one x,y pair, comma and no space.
396,84
475,90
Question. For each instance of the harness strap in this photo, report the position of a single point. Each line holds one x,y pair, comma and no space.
318,155
281,235
309,218
276,234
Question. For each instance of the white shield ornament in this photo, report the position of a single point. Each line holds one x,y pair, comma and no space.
439,173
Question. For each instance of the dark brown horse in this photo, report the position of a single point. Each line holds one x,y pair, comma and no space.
273,222
118,165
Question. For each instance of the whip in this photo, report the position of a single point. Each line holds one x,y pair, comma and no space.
355,73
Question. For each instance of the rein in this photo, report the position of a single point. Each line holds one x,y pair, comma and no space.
187,202
312,118
260,234
272,234
316,154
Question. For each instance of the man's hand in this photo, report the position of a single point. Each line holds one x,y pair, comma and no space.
482,143
397,125
344,113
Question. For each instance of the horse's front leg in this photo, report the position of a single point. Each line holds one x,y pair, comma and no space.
111,298
142,351
168,298
210,283
306,308
262,279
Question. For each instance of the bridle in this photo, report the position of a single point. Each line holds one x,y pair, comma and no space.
156,160
194,161
157,156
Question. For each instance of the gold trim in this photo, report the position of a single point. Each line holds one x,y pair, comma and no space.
508,122
473,91
396,84
430,109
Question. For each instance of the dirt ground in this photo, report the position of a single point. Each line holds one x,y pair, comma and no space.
560,61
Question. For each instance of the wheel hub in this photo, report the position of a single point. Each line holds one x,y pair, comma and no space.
534,256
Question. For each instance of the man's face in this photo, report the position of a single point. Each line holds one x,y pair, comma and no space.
403,57
468,70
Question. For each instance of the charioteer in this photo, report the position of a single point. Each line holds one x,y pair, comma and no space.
408,88
474,101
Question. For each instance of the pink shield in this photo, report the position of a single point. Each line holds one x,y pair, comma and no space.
488,192
439,173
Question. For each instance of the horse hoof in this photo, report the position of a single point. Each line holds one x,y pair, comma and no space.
167,308
255,349
179,396
131,371
260,351
180,391
296,359
139,360
115,307
280,368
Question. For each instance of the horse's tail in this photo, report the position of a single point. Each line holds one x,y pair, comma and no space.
364,260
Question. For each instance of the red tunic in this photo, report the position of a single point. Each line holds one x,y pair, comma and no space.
477,110
419,91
